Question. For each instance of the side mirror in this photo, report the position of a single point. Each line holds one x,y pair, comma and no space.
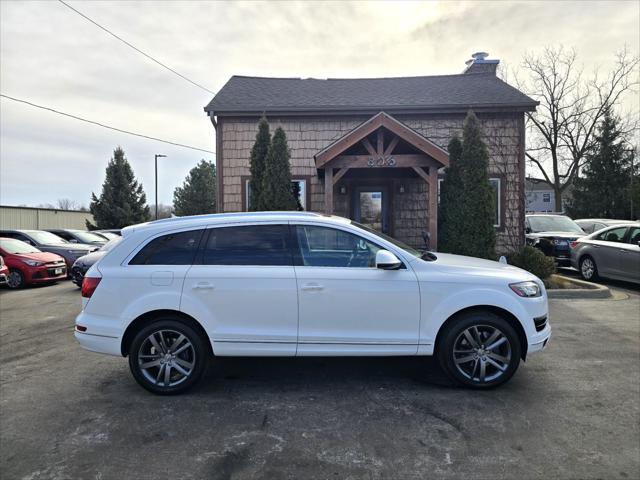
387,260
527,230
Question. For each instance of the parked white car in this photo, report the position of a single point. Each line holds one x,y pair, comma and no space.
176,292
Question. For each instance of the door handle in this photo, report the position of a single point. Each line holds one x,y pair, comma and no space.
312,287
624,250
203,286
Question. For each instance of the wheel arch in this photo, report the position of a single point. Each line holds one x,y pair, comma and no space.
149,317
499,311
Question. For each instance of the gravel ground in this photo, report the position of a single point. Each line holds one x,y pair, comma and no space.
571,412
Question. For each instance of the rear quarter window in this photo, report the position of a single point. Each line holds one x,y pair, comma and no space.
173,249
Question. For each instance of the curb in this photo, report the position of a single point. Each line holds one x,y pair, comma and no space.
587,290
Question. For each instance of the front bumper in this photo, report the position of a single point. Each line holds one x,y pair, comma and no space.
539,342
46,273
77,274
3,279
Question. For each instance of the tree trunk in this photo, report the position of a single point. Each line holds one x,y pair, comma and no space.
558,195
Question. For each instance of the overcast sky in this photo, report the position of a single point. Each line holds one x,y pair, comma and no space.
52,56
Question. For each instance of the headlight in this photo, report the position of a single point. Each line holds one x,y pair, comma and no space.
33,263
526,289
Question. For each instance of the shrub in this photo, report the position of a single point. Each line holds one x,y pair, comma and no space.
533,260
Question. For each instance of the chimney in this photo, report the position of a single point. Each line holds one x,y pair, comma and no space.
478,63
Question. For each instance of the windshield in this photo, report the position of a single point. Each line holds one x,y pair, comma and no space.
11,245
87,237
45,237
110,244
553,224
389,239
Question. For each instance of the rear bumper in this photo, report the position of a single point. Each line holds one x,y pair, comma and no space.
101,334
98,343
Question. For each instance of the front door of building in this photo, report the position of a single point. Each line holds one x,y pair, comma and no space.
371,207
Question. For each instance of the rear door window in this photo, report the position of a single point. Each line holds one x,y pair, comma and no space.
259,245
173,249
634,235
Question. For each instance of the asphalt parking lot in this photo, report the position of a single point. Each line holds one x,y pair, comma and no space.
572,412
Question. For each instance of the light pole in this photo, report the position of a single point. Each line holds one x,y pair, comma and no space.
157,156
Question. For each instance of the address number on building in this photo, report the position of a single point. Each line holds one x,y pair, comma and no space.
381,162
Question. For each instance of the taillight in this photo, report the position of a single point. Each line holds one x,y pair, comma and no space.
89,285
574,244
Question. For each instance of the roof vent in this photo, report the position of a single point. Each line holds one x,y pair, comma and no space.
478,63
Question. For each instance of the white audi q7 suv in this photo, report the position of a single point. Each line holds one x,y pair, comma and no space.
174,293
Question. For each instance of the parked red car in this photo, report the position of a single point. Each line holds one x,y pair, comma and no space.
4,272
28,265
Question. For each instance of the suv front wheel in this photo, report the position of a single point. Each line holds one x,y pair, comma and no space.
168,357
479,350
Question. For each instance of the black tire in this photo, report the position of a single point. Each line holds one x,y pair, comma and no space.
170,329
588,272
461,366
15,279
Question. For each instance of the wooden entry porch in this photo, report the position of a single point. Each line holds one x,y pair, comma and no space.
384,147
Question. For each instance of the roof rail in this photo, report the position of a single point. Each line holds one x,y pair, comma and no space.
215,216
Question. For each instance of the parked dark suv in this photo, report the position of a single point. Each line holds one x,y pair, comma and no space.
552,234
78,236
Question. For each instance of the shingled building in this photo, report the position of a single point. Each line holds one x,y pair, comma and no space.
374,149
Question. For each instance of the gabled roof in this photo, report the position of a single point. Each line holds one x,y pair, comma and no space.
381,120
255,95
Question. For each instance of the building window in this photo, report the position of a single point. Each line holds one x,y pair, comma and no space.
546,197
301,191
496,184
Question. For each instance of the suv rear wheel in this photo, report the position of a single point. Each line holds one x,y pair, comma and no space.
479,350
168,357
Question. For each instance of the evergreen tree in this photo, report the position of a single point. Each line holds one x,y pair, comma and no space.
451,217
257,164
277,193
198,192
468,226
122,201
295,191
603,189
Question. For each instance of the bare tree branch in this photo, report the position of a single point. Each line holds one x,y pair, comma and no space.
562,131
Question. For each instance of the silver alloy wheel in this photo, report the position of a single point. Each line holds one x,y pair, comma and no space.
482,353
14,279
166,358
587,268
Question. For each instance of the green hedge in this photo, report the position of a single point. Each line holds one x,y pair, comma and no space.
533,260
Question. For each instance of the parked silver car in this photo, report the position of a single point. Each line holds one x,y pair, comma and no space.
613,252
590,225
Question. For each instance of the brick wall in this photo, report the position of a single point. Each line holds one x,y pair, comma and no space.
307,136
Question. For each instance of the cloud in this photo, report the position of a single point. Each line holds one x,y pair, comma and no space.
52,56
